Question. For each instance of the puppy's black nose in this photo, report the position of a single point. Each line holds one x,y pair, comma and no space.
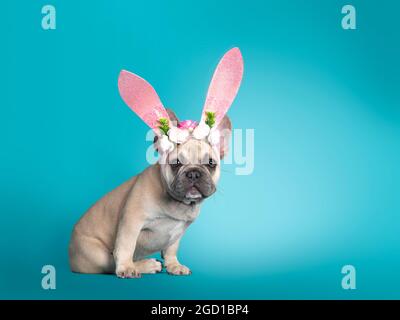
193,175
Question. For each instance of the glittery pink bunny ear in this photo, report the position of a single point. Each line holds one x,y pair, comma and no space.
140,96
224,85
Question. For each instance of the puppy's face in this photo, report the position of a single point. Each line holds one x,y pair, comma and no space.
191,171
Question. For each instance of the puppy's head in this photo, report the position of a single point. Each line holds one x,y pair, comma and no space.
192,170
189,170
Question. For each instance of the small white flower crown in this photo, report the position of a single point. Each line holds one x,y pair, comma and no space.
140,96
186,129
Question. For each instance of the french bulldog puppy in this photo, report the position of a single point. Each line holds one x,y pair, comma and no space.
149,213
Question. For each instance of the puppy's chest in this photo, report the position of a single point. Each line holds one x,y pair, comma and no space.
164,231
166,225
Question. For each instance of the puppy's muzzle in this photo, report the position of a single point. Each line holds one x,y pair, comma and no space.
193,175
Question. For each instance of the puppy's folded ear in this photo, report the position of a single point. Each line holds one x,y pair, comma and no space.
225,130
172,117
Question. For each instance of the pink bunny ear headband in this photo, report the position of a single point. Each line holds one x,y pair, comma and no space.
140,96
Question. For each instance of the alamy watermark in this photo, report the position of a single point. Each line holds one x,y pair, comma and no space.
49,17
349,279
49,278
349,20
240,146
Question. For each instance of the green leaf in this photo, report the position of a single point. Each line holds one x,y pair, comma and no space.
164,125
210,118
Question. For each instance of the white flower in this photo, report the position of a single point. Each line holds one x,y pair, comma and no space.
201,131
213,137
178,135
164,145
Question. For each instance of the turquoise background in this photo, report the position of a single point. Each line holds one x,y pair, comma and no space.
324,103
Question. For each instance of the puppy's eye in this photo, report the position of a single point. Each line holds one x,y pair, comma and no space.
176,164
212,163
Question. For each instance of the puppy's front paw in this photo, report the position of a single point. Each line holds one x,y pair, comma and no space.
178,269
127,271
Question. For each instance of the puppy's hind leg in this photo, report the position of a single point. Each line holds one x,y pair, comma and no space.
148,266
90,255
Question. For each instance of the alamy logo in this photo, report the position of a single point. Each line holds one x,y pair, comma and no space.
49,18
49,280
242,154
349,280
349,20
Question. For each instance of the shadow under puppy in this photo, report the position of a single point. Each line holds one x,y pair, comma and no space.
150,212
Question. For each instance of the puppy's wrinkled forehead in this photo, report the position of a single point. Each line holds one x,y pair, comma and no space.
193,152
